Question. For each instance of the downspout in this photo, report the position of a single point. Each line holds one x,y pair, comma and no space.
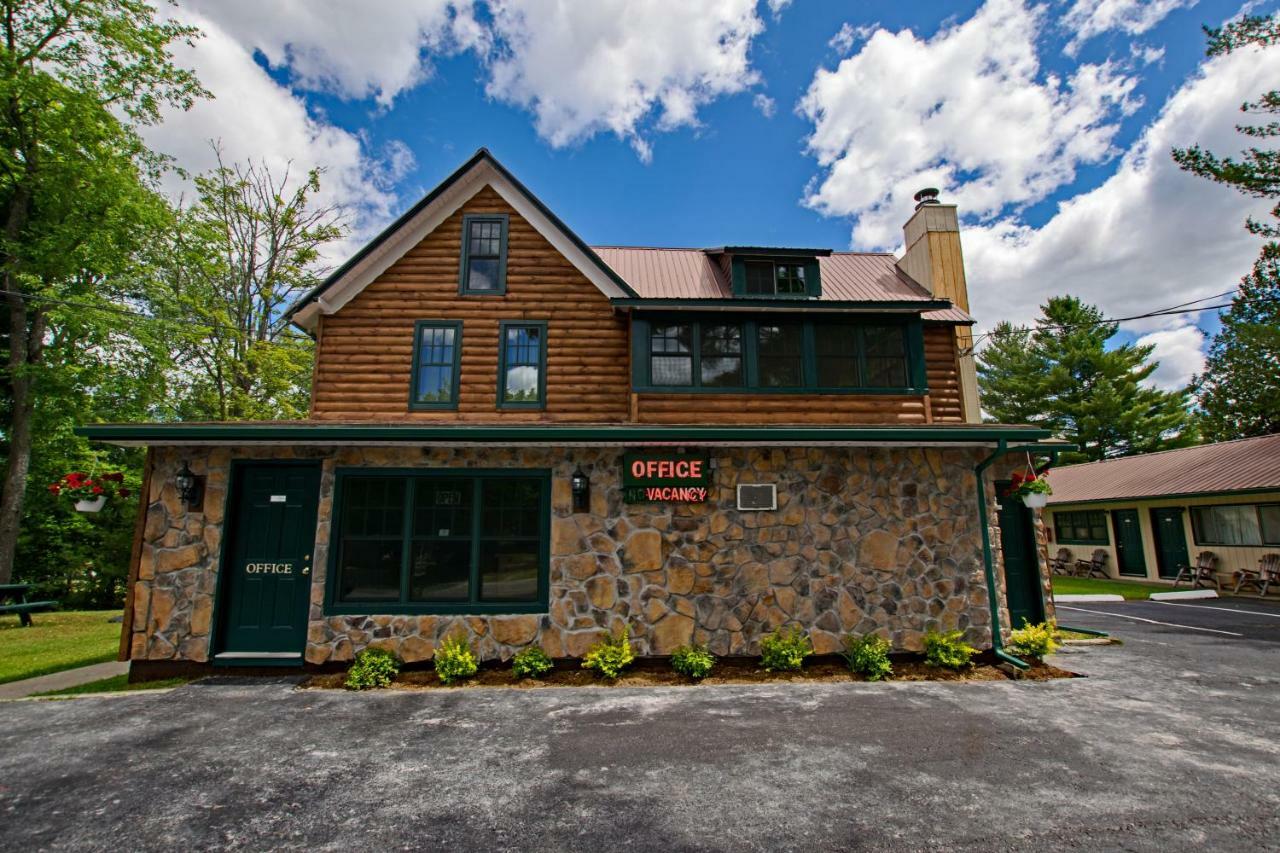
988,565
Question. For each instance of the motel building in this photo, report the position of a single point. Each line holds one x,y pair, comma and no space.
527,440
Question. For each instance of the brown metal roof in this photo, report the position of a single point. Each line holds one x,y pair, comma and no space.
695,274
1247,464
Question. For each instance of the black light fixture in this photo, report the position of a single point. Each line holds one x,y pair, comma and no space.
187,484
581,487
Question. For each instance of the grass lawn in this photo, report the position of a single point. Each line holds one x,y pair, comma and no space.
56,641
114,684
1094,586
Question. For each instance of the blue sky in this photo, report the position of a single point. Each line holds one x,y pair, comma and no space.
783,123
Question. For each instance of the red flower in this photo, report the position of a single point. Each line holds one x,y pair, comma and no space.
97,490
75,479
54,488
124,493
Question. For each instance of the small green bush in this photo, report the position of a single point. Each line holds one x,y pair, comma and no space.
694,661
372,668
612,655
948,650
455,660
1034,641
785,650
868,655
531,663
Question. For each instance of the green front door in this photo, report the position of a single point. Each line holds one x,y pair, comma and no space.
1023,590
1129,558
1171,540
266,580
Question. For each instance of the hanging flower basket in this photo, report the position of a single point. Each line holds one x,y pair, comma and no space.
89,493
1031,490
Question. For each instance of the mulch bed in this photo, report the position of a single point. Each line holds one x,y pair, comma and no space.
658,673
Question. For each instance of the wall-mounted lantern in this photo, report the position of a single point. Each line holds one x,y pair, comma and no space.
581,487
188,486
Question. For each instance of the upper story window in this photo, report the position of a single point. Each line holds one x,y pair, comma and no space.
484,254
816,356
766,278
522,374
437,351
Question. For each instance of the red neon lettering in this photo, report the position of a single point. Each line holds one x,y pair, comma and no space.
637,468
695,468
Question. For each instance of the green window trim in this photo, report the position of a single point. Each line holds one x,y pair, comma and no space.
643,355
1092,521
473,605
466,255
504,363
1266,518
796,269
416,369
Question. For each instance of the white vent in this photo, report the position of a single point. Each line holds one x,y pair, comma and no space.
757,496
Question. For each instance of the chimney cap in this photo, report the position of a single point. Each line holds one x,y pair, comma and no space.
928,195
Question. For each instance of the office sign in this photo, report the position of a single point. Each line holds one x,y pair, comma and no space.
665,477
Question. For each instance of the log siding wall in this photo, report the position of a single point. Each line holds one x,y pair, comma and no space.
364,352
364,355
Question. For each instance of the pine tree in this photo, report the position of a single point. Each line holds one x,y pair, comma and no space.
1062,376
1239,391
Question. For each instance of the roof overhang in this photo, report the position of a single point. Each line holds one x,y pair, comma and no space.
794,304
769,252
602,435
424,217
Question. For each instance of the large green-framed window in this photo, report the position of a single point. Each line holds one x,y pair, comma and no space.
1084,527
522,370
437,360
1236,524
483,270
733,354
440,541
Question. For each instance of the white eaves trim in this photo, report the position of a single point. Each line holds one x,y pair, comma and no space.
429,219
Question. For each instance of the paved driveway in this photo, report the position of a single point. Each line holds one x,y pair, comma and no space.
1171,743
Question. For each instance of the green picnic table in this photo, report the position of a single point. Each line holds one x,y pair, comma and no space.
16,593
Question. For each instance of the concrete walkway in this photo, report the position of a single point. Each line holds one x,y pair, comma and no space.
62,680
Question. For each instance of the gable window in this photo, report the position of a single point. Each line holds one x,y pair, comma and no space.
766,278
522,379
886,356
671,354
780,355
1088,527
441,542
720,355
484,255
1236,524
437,351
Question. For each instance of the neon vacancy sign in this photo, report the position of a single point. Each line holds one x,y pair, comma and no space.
653,477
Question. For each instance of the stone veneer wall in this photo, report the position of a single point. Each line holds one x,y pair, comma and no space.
864,539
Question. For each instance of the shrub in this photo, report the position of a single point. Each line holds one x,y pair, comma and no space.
532,662
868,655
947,650
1034,641
372,668
455,660
785,650
694,661
612,655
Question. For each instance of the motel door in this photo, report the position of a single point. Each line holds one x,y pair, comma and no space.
1171,540
266,572
1023,589
1128,542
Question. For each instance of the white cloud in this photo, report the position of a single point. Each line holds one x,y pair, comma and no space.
619,67
849,35
1151,236
766,105
377,51
253,117
968,110
1089,18
1180,352
776,7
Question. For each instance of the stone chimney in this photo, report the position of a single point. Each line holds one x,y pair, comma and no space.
934,259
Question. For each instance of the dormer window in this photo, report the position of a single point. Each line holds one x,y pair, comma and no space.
766,278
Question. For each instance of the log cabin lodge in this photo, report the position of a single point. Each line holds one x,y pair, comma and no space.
528,440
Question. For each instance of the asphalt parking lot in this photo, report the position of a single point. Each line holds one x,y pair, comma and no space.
1238,618
1171,743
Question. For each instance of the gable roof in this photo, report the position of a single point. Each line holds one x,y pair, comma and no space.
482,169
1243,465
